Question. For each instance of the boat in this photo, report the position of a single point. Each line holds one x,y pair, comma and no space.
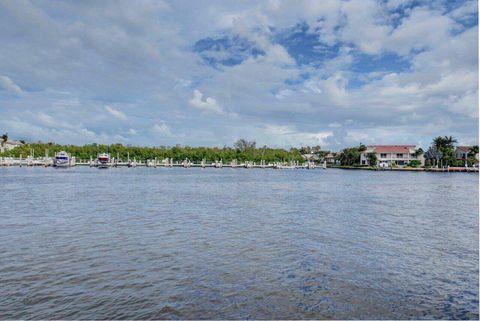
62,159
103,160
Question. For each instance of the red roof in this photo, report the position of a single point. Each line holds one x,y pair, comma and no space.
465,148
392,148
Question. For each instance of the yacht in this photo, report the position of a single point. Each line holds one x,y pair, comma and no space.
103,160
62,159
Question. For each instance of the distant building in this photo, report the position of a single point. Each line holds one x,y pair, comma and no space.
8,145
462,152
330,159
388,155
311,157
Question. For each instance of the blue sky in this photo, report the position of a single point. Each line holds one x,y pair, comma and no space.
285,73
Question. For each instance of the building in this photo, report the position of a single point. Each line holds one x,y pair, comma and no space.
311,157
8,145
462,152
388,155
330,159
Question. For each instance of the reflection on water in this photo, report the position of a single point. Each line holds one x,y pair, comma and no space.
166,243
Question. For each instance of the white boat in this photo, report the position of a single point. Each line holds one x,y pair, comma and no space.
103,160
62,159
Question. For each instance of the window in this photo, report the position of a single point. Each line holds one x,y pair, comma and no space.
383,155
399,155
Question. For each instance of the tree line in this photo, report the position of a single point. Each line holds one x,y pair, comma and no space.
242,150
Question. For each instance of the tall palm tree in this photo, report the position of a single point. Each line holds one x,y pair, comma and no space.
439,142
4,138
449,141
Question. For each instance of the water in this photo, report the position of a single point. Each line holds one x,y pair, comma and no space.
84,243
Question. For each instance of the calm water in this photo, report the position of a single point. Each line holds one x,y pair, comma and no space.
143,243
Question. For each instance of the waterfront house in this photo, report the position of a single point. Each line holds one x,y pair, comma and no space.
311,157
8,145
462,152
330,159
392,155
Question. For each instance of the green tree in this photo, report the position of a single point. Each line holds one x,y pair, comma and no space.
446,146
418,152
372,159
244,145
4,138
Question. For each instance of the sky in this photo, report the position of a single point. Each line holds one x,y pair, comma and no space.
206,73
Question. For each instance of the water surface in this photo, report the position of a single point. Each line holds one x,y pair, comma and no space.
143,243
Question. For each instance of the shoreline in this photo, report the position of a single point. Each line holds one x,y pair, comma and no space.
410,169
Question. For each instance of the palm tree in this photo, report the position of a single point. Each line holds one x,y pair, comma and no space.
449,141
418,152
439,142
4,138
474,150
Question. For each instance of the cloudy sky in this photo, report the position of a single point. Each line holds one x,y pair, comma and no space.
285,73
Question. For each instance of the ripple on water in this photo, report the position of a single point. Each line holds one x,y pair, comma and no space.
237,244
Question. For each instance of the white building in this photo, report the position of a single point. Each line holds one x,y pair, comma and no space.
8,145
388,155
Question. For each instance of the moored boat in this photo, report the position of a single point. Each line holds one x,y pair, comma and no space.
103,160
62,159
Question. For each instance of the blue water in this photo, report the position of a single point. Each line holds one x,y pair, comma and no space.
164,243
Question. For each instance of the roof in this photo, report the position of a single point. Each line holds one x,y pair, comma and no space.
13,142
310,156
391,148
465,148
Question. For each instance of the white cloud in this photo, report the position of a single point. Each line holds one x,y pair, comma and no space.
281,94
141,61
162,129
8,85
116,113
209,104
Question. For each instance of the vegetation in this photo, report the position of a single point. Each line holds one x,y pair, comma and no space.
372,159
4,138
242,151
446,146
418,152
414,163
351,156
432,156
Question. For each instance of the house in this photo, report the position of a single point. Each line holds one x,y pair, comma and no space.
330,159
462,152
311,157
388,155
8,145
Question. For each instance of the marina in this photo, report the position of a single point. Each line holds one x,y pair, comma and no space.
105,161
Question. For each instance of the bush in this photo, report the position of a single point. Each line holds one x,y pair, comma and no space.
414,163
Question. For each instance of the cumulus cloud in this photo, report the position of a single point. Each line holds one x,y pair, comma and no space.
333,72
161,129
8,85
208,104
116,113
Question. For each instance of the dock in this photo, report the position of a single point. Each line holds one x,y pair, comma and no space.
154,163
